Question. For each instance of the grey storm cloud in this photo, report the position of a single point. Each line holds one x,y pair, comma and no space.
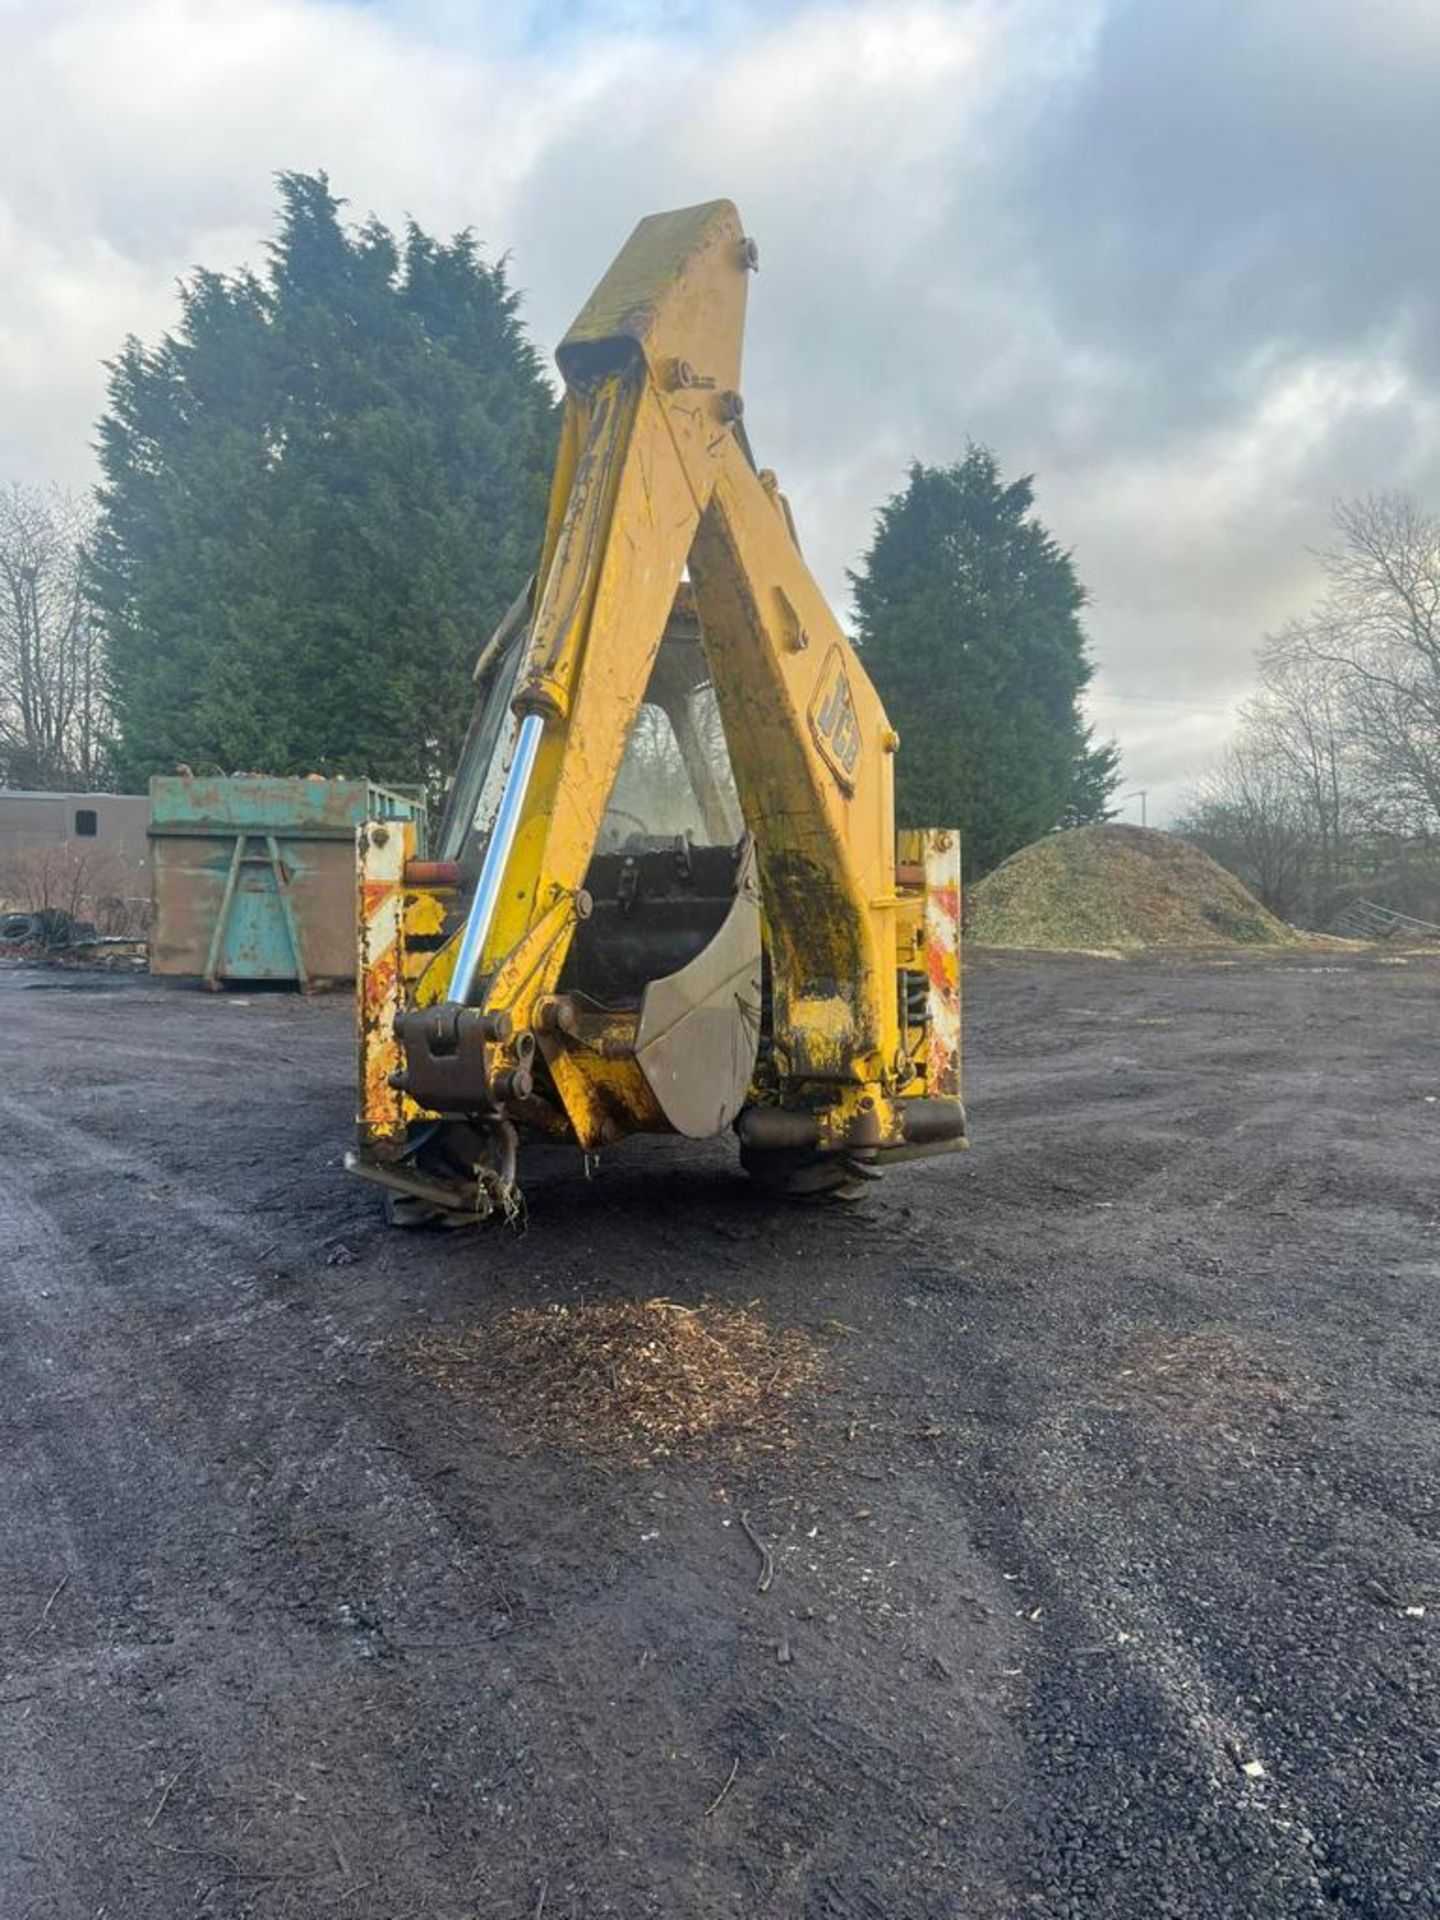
1233,186
1171,256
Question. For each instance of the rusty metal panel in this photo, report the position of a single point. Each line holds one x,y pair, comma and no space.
267,803
254,876
942,958
381,853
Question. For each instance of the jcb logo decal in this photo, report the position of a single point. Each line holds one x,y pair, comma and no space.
833,722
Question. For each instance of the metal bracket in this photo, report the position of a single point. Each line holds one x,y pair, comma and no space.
447,1051
241,857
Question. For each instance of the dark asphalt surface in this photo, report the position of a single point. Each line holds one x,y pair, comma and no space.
1108,1565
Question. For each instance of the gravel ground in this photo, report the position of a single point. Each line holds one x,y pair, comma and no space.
1106,1578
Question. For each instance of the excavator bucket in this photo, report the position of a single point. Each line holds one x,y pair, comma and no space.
668,894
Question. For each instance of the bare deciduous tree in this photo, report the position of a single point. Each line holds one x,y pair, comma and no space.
1299,718
1334,776
73,883
51,685
1379,630
1249,815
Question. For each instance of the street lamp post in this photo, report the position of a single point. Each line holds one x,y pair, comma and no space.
1142,793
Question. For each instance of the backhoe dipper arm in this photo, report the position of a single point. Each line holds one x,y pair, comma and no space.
812,753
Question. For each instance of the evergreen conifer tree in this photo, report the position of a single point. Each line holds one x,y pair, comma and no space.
319,494
968,618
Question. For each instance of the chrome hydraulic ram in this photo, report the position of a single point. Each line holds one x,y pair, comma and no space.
497,859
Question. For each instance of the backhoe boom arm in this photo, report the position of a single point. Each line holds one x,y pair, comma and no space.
654,479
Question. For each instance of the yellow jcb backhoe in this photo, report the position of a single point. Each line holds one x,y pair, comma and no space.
667,894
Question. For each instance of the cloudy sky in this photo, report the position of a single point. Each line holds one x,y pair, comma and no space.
1175,257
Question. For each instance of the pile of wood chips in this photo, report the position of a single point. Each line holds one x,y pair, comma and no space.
1115,888
641,1381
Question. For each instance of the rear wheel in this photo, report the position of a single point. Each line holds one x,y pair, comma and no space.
815,1179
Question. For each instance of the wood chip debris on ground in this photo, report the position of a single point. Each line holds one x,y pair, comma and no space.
1203,1377
635,1380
